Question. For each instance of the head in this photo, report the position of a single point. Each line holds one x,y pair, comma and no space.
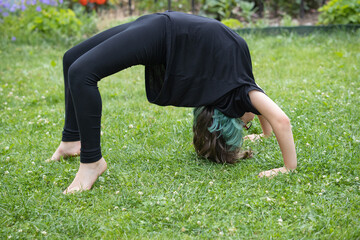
216,136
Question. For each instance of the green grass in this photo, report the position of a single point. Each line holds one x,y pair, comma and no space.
155,186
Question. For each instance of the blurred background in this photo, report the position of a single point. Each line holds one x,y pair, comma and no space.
72,20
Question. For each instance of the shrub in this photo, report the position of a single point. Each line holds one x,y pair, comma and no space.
38,21
232,23
340,12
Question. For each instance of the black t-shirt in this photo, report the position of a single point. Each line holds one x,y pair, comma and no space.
206,64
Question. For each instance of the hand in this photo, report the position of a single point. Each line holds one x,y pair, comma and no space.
273,172
253,137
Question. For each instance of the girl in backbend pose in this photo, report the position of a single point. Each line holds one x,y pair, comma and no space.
190,61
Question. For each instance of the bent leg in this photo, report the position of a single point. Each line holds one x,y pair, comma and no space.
138,44
71,130
141,43
70,144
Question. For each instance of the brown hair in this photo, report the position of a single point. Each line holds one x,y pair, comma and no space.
211,145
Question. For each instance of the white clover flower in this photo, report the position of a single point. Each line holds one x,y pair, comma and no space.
131,126
337,180
7,148
7,158
140,193
123,209
43,232
211,183
312,204
320,194
295,202
198,222
117,192
116,207
357,178
322,190
268,199
221,233
6,172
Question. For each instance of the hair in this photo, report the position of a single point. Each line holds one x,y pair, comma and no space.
218,137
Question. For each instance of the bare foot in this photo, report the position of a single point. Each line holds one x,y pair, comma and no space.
86,176
66,149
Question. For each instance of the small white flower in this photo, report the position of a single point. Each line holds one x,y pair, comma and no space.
357,178
337,180
280,221
309,184
268,199
211,183
322,190
140,193
33,163
117,192
266,191
116,207
320,194
198,222
6,172
20,230
6,148
167,219
338,173
44,177
312,204
324,176
123,209
221,233
295,202
43,232
175,192
307,144
295,216
248,205
7,158
131,126
43,97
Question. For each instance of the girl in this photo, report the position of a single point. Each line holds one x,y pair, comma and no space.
190,61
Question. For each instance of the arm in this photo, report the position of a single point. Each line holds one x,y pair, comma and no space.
280,124
266,130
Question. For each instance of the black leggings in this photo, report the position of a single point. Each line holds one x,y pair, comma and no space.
139,42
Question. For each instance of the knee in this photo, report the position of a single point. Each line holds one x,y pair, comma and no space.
69,57
81,74
75,75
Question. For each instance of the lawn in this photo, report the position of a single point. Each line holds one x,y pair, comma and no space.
155,186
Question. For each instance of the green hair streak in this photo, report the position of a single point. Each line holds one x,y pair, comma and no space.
231,129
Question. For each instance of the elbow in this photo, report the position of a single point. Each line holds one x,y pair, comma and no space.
283,122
